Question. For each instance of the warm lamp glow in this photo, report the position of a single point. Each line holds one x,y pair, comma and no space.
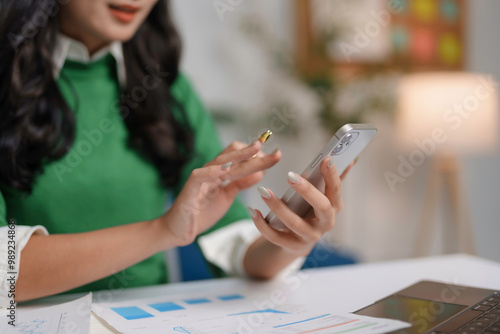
462,107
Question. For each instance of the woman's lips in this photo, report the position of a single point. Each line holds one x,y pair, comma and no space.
124,13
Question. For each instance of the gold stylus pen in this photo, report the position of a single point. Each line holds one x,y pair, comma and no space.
263,138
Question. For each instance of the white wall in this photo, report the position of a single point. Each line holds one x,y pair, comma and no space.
376,223
482,173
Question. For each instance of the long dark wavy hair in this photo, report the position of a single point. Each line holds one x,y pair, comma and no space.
36,124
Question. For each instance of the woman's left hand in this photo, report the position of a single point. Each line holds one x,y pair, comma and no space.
303,233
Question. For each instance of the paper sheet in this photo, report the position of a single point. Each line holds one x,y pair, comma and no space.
68,318
231,313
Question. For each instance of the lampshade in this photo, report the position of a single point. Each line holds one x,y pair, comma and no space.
457,111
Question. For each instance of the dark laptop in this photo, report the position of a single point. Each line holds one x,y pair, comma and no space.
433,307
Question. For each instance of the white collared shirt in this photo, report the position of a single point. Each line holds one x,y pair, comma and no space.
68,48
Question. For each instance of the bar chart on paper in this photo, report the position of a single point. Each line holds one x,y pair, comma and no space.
158,308
230,313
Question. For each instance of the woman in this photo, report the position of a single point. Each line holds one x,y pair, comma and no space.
97,126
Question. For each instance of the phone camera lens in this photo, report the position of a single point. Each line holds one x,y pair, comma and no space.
347,138
338,149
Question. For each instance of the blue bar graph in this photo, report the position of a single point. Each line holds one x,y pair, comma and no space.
197,301
230,297
135,312
132,312
166,307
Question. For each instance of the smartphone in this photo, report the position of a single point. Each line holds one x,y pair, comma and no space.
347,143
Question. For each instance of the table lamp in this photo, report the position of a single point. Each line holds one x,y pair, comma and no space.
442,115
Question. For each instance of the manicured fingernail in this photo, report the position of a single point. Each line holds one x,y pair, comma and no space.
293,177
254,142
253,213
264,192
276,150
225,183
226,165
330,163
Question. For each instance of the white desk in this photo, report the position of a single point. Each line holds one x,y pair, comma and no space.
341,289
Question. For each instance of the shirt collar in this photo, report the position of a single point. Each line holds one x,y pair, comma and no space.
68,48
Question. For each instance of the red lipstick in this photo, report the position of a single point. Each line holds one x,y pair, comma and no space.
124,13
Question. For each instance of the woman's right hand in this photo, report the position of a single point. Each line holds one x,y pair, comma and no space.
210,190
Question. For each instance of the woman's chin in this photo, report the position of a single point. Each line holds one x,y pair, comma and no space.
122,34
